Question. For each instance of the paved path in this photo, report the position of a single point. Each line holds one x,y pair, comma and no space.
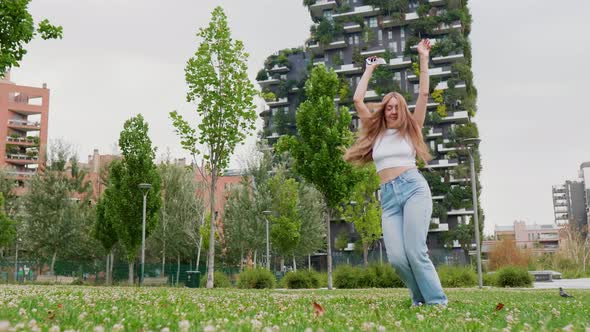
565,283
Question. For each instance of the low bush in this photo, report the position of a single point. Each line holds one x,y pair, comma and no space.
256,278
457,276
512,276
220,280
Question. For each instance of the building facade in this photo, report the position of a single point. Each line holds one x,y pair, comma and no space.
24,114
571,203
539,239
344,33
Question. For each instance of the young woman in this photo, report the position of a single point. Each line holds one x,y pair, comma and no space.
391,136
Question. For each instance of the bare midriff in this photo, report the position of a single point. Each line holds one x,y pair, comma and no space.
389,174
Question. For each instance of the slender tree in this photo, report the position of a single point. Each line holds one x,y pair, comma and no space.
218,82
365,212
54,220
318,150
125,198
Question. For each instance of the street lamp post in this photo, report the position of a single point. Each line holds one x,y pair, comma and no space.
468,143
145,187
266,213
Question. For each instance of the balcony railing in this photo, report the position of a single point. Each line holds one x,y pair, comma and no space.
352,27
448,58
21,157
399,62
434,133
359,11
24,123
461,116
317,9
443,163
440,228
20,140
22,173
279,69
349,69
279,102
444,28
434,72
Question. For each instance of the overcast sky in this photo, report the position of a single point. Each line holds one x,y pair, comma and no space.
123,57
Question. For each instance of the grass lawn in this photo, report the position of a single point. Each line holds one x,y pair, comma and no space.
86,308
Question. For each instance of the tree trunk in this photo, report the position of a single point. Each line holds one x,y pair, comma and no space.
294,264
255,254
112,264
178,269
108,269
381,252
309,262
212,225
241,259
366,255
329,248
51,270
130,273
282,264
164,258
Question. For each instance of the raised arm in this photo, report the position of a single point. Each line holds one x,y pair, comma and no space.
424,83
361,89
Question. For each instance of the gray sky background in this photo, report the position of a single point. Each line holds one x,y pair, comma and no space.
123,57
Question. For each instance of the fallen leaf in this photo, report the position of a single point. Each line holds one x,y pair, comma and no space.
50,314
318,309
499,306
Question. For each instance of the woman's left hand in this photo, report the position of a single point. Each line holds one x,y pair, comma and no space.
424,47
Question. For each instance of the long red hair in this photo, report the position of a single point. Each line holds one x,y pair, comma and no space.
361,152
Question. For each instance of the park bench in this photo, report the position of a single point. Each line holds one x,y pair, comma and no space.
155,281
546,275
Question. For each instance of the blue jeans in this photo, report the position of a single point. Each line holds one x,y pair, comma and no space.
407,209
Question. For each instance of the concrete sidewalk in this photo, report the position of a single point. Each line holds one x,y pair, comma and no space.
583,283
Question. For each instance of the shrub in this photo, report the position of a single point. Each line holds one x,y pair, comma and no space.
377,275
256,278
386,276
513,276
220,280
346,276
489,279
301,279
457,276
506,253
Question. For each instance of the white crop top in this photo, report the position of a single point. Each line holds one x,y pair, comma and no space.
393,150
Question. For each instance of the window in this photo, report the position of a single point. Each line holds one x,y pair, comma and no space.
416,88
373,22
356,39
358,79
390,34
274,111
350,40
284,77
402,32
393,46
397,76
380,36
328,15
286,110
403,45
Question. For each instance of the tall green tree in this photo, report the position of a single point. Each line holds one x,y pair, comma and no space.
365,212
285,219
125,198
17,29
7,228
313,230
243,225
218,82
105,232
56,215
319,148
177,232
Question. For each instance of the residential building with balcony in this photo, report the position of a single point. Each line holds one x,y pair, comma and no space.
24,114
571,200
344,33
539,239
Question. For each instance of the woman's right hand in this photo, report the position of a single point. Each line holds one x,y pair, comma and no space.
374,63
